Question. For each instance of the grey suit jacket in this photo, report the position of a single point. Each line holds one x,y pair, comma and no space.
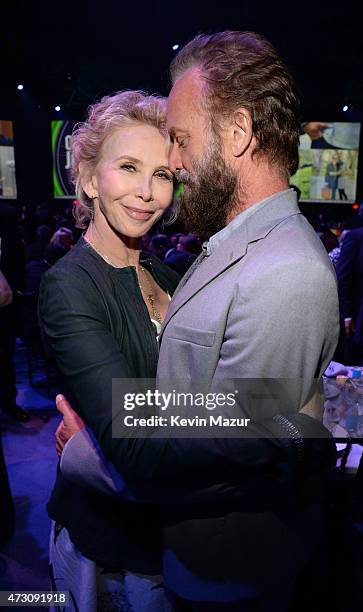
263,304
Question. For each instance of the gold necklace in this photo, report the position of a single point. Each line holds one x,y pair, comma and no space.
105,257
149,295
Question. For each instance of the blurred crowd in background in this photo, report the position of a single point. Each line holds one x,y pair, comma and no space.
41,235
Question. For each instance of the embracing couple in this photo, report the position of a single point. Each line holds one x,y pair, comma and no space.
190,524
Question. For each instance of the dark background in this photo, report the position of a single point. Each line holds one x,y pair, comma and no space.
70,53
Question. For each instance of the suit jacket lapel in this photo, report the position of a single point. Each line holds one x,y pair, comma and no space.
209,268
231,250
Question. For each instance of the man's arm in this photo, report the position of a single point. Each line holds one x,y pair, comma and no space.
285,324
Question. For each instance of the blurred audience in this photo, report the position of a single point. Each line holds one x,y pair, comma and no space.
159,245
62,238
174,241
334,254
181,258
329,240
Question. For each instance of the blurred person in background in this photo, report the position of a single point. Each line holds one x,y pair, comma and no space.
174,241
7,507
332,174
183,256
334,254
12,265
349,271
158,245
329,240
63,238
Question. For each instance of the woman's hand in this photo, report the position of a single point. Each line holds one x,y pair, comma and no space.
69,425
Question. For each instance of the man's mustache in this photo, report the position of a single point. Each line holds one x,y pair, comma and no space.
183,176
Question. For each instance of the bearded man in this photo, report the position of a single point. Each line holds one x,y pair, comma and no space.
259,303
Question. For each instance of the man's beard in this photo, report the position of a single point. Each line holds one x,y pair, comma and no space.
209,194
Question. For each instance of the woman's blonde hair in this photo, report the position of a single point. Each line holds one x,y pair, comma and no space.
111,112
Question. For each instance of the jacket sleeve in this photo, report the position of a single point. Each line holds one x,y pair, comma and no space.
74,328
83,463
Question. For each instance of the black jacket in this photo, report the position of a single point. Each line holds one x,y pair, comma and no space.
96,323
350,281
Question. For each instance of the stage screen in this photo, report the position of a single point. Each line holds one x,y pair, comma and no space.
7,161
61,152
328,162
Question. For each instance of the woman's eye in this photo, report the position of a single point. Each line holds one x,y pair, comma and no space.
128,167
182,142
165,176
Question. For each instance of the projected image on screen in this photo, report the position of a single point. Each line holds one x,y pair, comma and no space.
61,151
7,161
328,162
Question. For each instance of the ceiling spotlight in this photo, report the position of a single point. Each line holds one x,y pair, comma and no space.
20,87
175,47
345,108
57,108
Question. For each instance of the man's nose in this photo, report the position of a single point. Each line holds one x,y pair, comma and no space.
174,159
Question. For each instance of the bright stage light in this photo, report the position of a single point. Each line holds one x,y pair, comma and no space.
20,87
175,47
345,108
57,108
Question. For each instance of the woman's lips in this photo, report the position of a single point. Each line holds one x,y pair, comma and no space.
138,213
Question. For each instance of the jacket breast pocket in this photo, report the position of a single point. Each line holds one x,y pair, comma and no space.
191,335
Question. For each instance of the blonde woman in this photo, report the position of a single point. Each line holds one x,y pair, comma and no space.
101,307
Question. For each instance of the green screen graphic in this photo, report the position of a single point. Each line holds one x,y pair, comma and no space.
62,157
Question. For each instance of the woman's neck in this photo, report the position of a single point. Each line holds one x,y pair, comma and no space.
120,251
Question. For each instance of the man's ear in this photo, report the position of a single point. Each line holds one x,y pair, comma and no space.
88,181
241,133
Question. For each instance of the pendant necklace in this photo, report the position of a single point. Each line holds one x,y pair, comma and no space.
148,293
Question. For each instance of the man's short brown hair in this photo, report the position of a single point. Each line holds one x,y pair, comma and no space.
242,69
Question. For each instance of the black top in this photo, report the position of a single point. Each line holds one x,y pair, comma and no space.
98,327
